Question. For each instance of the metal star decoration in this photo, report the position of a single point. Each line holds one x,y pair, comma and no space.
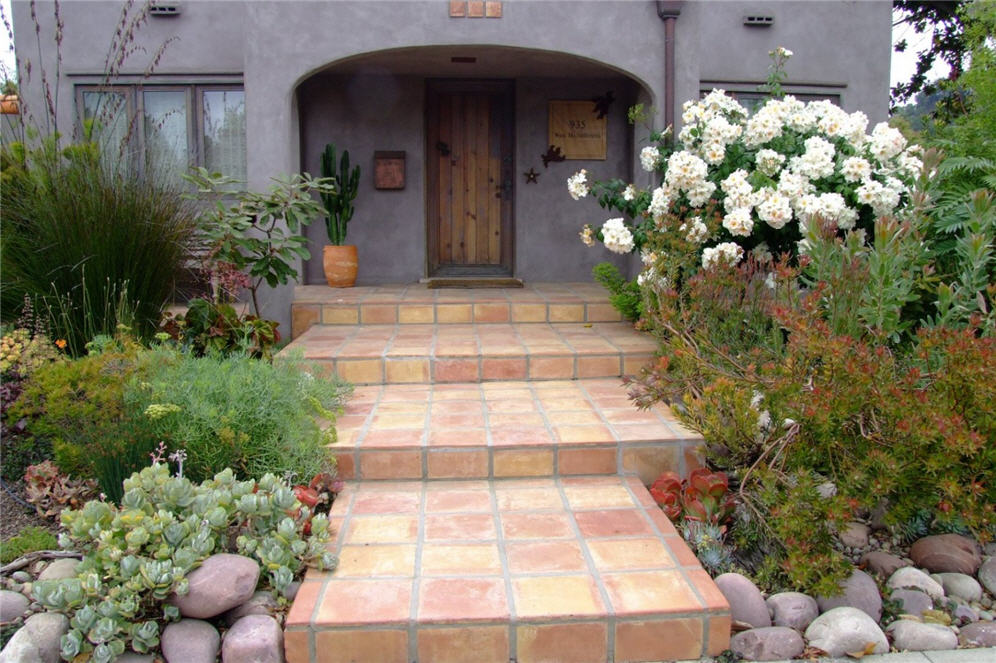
532,177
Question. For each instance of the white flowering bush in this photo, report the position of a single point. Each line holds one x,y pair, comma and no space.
756,181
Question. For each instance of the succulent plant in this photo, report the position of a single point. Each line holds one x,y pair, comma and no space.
50,491
139,553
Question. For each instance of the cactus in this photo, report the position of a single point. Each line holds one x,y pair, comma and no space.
339,203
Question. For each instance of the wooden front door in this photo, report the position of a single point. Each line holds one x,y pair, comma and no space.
469,173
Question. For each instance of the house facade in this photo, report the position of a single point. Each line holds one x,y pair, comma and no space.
466,117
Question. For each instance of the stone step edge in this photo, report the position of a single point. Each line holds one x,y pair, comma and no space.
421,369
643,459
306,314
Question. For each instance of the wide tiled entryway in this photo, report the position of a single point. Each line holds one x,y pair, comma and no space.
497,516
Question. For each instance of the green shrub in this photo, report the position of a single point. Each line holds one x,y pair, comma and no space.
216,327
859,378
78,408
91,245
138,554
30,539
625,296
235,411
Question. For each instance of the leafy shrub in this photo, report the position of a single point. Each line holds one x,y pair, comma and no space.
138,554
250,415
77,407
625,296
28,540
91,245
859,377
215,327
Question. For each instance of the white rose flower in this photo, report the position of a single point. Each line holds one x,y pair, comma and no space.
649,157
577,184
726,252
769,162
660,203
629,193
739,222
616,236
855,169
695,230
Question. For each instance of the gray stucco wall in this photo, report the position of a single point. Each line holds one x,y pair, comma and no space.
275,46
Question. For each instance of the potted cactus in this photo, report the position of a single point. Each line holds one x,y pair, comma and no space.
339,259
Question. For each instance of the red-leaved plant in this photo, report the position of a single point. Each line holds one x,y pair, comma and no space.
703,497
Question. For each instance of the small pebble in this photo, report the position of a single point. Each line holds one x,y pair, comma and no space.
21,576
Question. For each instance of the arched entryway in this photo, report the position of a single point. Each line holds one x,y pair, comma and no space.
470,127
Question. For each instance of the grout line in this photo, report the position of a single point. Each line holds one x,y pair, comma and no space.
416,576
513,644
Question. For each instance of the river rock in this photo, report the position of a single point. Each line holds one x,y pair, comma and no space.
911,635
987,575
190,641
746,603
132,657
60,569
21,576
221,583
13,605
911,578
770,643
881,563
858,591
254,639
38,641
959,585
260,603
912,601
947,553
846,629
965,613
978,634
855,535
792,609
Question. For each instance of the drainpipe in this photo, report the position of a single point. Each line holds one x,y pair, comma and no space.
668,12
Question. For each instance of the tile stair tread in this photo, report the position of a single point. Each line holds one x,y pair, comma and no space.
520,567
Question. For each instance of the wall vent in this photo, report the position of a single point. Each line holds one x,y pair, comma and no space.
756,20
164,9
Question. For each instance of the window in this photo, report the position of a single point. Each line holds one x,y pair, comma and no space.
173,127
752,100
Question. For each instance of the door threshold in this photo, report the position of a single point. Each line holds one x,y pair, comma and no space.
436,282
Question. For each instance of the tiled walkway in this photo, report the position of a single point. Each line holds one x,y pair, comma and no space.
496,509
568,569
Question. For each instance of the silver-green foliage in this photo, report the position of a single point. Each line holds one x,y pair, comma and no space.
139,553
235,411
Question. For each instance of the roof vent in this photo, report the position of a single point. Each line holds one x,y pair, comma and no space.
164,9
756,20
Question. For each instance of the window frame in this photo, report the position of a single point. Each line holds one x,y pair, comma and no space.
135,107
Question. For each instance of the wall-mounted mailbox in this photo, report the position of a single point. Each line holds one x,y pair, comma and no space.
389,170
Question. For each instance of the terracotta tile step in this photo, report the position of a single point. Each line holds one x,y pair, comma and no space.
415,304
583,569
508,429
419,354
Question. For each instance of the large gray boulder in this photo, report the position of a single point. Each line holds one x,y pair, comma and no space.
842,630
912,578
909,635
38,641
772,643
190,641
881,563
746,603
792,609
978,634
60,569
858,591
912,601
254,639
950,553
987,575
959,585
13,605
221,583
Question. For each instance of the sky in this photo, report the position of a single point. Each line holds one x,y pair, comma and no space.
903,64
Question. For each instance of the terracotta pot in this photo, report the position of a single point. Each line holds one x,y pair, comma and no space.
340,264
10,104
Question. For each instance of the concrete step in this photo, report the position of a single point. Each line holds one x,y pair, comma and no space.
582,569
439,353
417,304
508,429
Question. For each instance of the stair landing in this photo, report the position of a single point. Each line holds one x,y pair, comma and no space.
578,569
508,429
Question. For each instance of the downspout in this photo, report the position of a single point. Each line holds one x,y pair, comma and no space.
668,12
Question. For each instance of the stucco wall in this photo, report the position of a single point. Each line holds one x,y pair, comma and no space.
274,46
